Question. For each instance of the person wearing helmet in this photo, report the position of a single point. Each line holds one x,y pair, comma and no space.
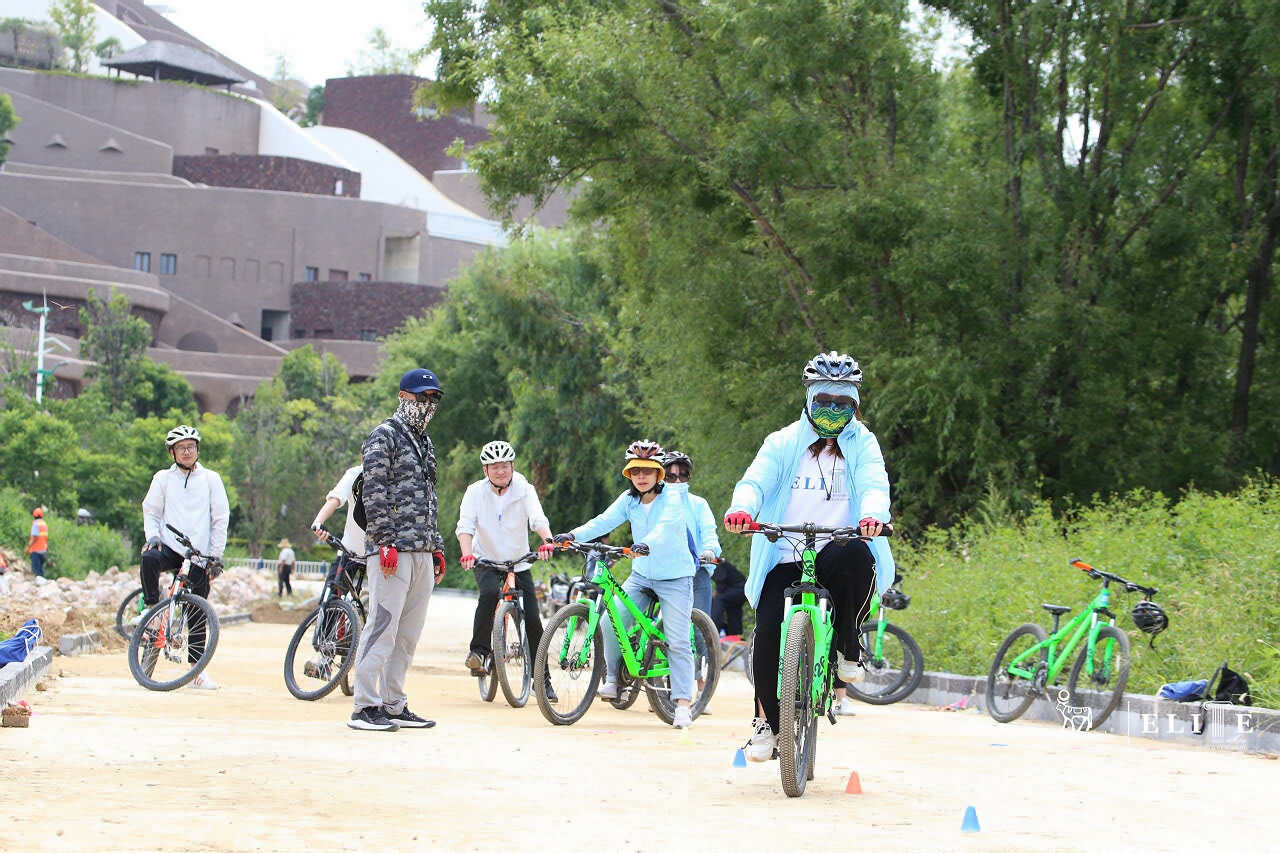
666,573
398,492
494,521
700,521
38,547
193,499
825,468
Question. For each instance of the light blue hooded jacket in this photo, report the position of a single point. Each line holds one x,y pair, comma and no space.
699,520
661,527
765,490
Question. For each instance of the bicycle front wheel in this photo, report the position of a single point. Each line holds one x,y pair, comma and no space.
571,662
130,610
797,721
1011,689
706,670
174,642
322,651
1097,681
512,661
893,670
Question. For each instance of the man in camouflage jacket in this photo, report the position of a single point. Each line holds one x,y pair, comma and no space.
400,510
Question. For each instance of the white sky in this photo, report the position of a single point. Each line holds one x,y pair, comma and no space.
318,38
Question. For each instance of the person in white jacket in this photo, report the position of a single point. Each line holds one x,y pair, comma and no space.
826,469
494,521
192,499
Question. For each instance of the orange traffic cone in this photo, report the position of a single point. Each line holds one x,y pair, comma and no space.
853,786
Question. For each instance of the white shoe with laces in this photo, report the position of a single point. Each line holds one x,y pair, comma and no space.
763,741
683,717
608,691
850,672
204,682
844,708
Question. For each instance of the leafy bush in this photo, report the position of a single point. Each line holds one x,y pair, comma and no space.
1214,558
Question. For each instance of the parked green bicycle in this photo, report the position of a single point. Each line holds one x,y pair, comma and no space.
571,655
1029,659
805,679
893,661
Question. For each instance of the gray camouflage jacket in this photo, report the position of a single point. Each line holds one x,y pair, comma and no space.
400,488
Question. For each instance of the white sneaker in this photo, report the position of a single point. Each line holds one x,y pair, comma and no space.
763,741
850,672
844,708
608,691
204,682
683,718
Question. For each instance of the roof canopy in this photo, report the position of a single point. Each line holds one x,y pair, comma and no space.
165,60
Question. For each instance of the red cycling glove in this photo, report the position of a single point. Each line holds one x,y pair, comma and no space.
737,518
546,550
438,558
869,526
468,561
388,556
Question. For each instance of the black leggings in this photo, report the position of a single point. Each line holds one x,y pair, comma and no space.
489,582
848,572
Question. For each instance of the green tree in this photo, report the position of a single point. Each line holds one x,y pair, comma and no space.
117,342
78,28
15,27
107,48
381,57
8,121
315,107
40,454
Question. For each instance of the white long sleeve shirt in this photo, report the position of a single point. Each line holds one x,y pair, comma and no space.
499,524
352,533
196,504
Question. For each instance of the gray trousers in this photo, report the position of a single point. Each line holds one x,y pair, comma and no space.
397,612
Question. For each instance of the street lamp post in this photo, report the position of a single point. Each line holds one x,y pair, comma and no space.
41,373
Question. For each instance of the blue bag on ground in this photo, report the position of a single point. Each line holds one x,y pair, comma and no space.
16,648
1183,691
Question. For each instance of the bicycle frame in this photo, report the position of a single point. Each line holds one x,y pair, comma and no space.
806,596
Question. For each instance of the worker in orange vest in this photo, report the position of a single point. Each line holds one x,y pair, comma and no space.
39,544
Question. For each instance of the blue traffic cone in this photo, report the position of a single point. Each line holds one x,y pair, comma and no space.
970,822
739,759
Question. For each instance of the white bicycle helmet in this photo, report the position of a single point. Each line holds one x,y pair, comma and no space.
832,367
497,451
181,433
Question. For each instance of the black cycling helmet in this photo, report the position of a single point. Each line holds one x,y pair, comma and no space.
1149,617
895,599
673,456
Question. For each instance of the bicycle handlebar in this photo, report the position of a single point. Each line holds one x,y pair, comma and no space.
638,549
508,565
773,532
186,543
1099,574
335,543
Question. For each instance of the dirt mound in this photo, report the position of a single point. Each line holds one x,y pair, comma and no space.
271,612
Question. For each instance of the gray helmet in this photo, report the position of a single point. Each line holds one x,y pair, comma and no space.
832,367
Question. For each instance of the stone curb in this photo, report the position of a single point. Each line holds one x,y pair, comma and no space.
15,678
74,644
1238,728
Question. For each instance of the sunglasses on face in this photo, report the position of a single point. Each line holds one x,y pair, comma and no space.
827,401
677,477
427,396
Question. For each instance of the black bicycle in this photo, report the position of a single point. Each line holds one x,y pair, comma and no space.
175,639
330,634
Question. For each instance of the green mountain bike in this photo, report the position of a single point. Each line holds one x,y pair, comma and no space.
571,655
805,682
892,659
1029,659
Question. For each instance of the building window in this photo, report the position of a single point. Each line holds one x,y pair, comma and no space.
142,261
337,275
312,274
364,276
337,187
368,335
168,264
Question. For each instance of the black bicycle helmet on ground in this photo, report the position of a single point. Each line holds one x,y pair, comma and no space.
1149,617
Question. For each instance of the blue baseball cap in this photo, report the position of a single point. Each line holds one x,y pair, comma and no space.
418,380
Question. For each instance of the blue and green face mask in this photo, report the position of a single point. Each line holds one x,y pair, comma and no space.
829,420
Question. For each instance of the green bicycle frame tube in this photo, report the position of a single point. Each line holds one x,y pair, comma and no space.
611,595
1085,621
819,611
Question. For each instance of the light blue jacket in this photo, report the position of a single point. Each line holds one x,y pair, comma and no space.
699,520
765,490
661,527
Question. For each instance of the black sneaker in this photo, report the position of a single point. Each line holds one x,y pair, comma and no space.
406,719
372,719
551,693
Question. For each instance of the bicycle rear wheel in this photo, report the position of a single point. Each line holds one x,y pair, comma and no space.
322,650
797,721
893,670
560,659
174,642
1095,694
1010,694
706,667
128,613
512,661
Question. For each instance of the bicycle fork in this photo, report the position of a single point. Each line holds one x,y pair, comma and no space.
817,604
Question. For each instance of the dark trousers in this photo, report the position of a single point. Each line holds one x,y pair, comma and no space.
165,559
490,583
726,609
282,580
848,574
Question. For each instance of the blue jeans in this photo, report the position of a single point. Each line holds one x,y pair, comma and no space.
702,601
676,598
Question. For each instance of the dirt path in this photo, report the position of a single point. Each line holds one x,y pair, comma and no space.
107,765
